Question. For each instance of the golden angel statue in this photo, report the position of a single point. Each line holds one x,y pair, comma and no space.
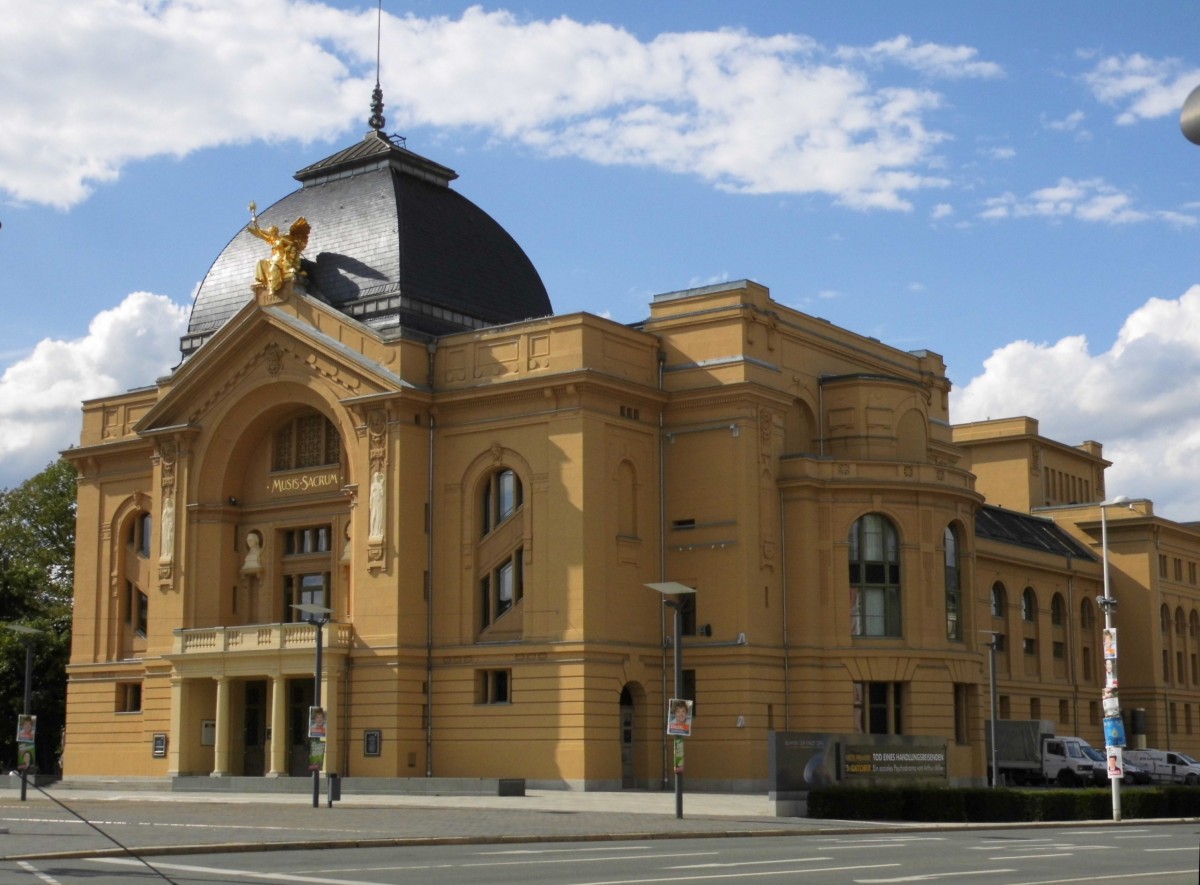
284,263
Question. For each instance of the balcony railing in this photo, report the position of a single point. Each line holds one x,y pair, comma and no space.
260,637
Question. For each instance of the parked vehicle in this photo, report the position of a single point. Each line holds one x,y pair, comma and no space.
1029,752
1166,766
1131,774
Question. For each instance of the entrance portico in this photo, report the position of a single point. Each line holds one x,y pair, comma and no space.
240,698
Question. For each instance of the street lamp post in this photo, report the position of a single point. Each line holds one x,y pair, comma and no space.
28,633
319,617
669,589
1109,605
992,687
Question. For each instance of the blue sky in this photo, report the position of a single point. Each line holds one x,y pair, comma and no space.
1002,183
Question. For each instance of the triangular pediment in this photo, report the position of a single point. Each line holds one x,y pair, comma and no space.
298,339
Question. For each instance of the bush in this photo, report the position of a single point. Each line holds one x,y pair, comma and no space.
985,805
982,805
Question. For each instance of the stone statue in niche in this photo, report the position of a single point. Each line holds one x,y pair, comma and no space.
167,551
253,560
376,507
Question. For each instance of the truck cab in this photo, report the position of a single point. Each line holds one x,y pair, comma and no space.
1065,762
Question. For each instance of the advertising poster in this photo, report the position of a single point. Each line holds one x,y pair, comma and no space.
316,722
1109,638
679,717
679,755
1114,732
26,728
26,758
1116,766
316,754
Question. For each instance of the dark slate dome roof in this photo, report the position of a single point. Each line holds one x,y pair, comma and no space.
391,245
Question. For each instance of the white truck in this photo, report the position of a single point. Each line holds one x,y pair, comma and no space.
1029,752
1166,766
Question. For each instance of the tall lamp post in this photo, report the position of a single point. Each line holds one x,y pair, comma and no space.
669,589
28,633
318,615
992,643
1114,732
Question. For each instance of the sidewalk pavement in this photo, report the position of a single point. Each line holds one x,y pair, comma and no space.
160,823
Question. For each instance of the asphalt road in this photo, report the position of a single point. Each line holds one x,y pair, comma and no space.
1158,854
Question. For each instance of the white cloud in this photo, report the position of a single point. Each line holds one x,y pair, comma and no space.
941,210
88,88
1090,200
954,62
1142,88
40,395
1070,123
999,153
1141,399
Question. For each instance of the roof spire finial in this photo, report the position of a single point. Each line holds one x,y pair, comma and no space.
377,120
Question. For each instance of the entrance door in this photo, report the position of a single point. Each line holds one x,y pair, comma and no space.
300,698
628,779
255,729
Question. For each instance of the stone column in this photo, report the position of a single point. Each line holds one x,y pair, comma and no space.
279,737
221,750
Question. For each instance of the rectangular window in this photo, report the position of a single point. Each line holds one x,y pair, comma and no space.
305,589
1195,673
1064,713
1035,708
306,541
1162,565
689,689
493,686
1178,569
1004,706
1179,667
1060,650
1030,645
1094,712
1087,664
501,589
879,707
962,718
1192,573
129,697
1166,666
143,614
687,614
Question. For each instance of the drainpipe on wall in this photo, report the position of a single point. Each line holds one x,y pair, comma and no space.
783,563
662,553
431,522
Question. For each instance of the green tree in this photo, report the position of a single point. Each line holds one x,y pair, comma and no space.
37,573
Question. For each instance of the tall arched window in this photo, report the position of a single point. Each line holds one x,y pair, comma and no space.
1029,605
1087,614
954,627
1164,618
502,497
874,577
1058,611
500,554
999,601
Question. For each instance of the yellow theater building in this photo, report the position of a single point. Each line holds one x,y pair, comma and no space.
379,415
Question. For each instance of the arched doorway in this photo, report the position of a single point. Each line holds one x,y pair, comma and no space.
628,766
